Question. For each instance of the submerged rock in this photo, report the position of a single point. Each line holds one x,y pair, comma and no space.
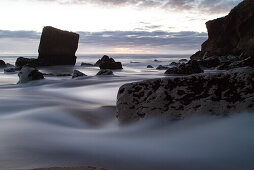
161,67
178,97
108,63
57,47
191,67
77,73
10,70
29,74
105,72
21,61
87,65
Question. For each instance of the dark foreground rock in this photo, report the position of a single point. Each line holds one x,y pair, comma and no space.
71,168
191,67
57,47
176,98
77,73
105,72
108,63
21,61
29,74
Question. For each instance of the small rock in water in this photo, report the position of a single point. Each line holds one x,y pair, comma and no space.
87,65
21,61
29,74
63,75
77,73
2,63
108,63
161,67
149,66
10,70
105,72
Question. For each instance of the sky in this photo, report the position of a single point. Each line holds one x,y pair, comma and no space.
111,26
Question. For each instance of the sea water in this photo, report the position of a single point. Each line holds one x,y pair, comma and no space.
61,121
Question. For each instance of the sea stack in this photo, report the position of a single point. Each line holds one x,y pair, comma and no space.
57,47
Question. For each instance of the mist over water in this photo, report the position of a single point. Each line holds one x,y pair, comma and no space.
64,122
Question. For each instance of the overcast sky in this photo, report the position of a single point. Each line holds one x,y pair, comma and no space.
111,26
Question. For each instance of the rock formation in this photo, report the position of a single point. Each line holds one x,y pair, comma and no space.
178,97
57,47
108,63
29,74
230,35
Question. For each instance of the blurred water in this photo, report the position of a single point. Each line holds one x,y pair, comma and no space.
61,121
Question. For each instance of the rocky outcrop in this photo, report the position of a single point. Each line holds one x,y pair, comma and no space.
29,74
77,73
105,72
87,65
232,34
21,61
108,63
191,67
57,47
178,97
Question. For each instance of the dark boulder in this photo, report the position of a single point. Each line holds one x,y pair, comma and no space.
149,66
191,67
21,61
175,98
57,47
27,74
108,63
105,72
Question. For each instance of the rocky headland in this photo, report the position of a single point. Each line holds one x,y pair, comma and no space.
230,46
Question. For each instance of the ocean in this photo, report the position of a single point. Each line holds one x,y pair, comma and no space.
61,121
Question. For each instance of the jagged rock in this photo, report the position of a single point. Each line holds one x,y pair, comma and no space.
105,72
161,67
242,63
210,62
185,69
2,63
10,70
21,61
29,74
232,34
149,66
57,47
77,73
179,97
108,63
87,65
174,64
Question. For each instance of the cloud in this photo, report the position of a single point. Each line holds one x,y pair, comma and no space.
185,40
199,5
